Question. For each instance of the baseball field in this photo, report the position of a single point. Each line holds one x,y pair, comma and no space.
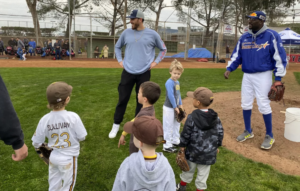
240,166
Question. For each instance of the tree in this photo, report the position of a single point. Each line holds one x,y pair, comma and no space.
33,10
206,13
275,10
237,18
111,11
61,10
156,7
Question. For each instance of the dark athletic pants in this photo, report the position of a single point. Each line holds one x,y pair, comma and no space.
125,88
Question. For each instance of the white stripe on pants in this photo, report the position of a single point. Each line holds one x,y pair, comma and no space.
257,85
171,127
62,172
202,175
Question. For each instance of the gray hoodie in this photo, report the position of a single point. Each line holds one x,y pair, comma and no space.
136,174
263,29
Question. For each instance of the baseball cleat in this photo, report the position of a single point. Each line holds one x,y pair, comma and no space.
114,131
179,187
170,150
268,142
244,136
175,145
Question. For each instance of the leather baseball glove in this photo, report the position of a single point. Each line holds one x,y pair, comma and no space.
44,152
181,115
277,91
181,160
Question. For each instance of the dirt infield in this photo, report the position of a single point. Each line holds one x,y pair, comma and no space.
284,156
96,63
107,63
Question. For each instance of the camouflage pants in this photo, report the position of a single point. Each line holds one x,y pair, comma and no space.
202,175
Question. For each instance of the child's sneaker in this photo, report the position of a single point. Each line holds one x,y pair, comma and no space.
179,187
170,150
175,145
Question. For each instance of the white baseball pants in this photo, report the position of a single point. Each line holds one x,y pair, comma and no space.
62,172
171,127
257,85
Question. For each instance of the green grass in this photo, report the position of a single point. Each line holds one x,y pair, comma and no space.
297,75
94,98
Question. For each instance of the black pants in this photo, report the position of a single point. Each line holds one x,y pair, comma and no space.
125,88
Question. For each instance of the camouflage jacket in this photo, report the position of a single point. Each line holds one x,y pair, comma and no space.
202,135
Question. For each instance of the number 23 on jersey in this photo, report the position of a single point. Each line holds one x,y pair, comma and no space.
63,135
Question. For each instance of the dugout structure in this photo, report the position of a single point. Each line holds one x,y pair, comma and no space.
172,46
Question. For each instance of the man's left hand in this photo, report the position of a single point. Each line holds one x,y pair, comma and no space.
279,88
153,64
21,153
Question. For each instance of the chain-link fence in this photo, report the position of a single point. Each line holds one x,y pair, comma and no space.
91,36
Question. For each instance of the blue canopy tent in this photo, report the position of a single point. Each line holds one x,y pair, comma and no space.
193,53
289,37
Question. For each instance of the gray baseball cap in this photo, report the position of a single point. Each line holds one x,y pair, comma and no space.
136,14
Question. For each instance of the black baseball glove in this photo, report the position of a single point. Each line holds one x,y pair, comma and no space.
181,115
44,152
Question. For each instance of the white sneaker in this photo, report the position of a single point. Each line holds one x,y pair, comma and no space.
114,131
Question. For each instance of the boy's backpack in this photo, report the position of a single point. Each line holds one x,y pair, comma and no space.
222,61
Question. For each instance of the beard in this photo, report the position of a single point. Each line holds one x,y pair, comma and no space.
134,26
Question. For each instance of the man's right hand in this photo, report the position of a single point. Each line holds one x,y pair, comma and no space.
21,153
226,74
121,64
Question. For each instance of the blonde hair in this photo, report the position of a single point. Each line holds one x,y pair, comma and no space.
176,65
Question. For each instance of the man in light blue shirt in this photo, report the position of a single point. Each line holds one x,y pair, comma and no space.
139,59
